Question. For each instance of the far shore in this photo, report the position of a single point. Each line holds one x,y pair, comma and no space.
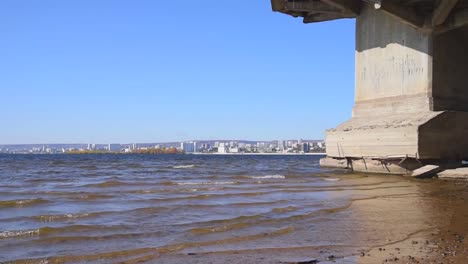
263,154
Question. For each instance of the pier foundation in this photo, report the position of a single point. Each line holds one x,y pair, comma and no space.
411,84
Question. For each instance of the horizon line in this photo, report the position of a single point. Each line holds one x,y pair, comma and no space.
158,142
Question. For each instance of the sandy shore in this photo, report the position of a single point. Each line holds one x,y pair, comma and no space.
440,239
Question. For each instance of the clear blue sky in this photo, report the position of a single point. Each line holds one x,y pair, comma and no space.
80,71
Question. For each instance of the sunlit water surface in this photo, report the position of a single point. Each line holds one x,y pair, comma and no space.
84,208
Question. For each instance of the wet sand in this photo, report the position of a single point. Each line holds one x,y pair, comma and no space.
438,240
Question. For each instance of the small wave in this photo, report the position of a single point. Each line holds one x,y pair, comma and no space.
22,203
168,183
51,218
332,179
135,165
18,233
183,166
88,167
160,191
207,183
284,209
92,197
57,162
235,239
40,180
148,210
107,184
47,231
224,228
268,177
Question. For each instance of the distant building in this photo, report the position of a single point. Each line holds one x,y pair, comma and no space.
187,147
222,148
305,147
280,145
234,150
205,146
91,146
113,147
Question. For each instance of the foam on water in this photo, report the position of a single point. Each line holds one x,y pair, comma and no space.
206,183
332,179
277,176
18,233
183,166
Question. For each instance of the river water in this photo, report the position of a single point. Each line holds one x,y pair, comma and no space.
111,208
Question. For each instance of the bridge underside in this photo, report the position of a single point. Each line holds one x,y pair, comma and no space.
411,82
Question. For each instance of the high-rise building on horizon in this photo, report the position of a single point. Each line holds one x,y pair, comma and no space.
280,145
113,147
187,147
222,148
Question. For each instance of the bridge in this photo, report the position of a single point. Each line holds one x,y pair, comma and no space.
411,83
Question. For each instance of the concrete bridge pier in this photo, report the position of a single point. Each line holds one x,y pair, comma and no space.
411,83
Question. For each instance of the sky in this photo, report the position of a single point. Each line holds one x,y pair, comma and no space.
86,71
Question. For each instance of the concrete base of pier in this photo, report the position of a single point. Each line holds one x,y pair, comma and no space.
410,101
424,136
411,83
398,166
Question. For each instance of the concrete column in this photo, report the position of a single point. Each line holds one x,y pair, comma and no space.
393,66
411,95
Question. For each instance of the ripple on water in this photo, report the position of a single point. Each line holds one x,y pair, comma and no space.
183,166
111,183
22,203
276,176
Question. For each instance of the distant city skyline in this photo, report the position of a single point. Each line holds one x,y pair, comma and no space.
223,146
122,71
163,142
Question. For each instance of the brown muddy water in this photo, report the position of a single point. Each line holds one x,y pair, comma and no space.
202,208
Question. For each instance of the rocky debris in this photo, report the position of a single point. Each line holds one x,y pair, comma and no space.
460,173
300,261
392,259
333,163
427,171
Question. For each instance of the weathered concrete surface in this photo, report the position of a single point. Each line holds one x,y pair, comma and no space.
393,66
398,88
334,163
444,137
450,71
423,135
432,15
427,171
377,136
411,81
460,173
392,166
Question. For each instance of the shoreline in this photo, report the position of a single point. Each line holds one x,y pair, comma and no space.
207,154
260,154
439,239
